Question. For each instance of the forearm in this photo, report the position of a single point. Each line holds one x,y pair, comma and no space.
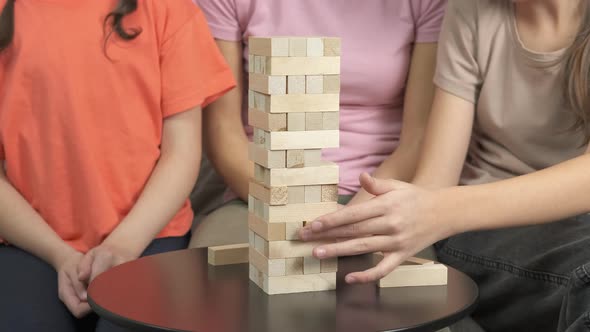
23,227
545,196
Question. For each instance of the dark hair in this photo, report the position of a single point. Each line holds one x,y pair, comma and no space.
577,77
114,19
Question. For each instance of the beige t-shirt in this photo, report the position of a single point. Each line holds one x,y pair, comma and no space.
521,124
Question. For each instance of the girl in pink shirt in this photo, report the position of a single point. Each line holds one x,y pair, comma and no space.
388,52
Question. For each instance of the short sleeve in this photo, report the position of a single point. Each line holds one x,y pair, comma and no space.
193,71
428,19
223,19
457,69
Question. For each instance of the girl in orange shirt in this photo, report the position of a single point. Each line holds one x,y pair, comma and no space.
100,130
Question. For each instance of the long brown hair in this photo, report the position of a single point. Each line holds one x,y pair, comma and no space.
114,19
577,77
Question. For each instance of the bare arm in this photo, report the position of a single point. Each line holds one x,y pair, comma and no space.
168,187
225,140
417,104
23,227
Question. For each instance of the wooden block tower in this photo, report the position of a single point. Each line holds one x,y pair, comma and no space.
294,102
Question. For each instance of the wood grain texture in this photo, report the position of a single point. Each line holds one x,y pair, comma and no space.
228,254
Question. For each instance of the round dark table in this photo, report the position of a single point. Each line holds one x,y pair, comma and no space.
179,291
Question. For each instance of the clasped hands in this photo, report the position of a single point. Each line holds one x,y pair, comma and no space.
401,220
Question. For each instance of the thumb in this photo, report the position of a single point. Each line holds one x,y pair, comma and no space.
377,187
85,267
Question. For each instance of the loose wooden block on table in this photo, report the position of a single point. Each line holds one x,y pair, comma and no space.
298,46
313,194
267,121
329,193
295,121
296,103
228,254
300,140
314,84
268,195
267,46
267,231
296,84
272,85
414,272
326,173
315,121
270,267
285,66
332,46
293,283
264,157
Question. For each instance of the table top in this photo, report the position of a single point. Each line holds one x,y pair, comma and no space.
179,291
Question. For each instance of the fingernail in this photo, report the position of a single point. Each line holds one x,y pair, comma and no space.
316,226
350,279
320,252
84,295
305,234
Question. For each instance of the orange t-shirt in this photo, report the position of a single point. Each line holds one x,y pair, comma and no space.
80,132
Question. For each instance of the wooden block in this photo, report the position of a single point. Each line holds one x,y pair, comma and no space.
270,85
255,275
296,84
314,121
331,120
297,103
268,121
292,230
259,136
287,249
414,272
313,157
296,121
311,265
261,245
332,47
329,265
326,173
250,204
296,212
313,194
295,158
260,63
301,140
330,193
270,267
267,46
251,238
298,46
262,175
296,195
302,65
269,159
314,84
294,266
228,254
251,99
299,283
331,84
270,196
315,47
250,63
267,231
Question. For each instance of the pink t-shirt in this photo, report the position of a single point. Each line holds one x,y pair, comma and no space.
377,40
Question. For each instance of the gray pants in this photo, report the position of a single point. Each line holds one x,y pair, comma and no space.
534,278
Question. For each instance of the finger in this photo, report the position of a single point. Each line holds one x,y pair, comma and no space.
377,187
82,309
354,247
371,226
68,295
85,266
102,262
347,215
386,266
77,285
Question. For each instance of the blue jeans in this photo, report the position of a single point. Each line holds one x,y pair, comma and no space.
28,293
533,278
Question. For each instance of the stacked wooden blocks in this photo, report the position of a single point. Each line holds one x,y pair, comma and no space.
293,102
